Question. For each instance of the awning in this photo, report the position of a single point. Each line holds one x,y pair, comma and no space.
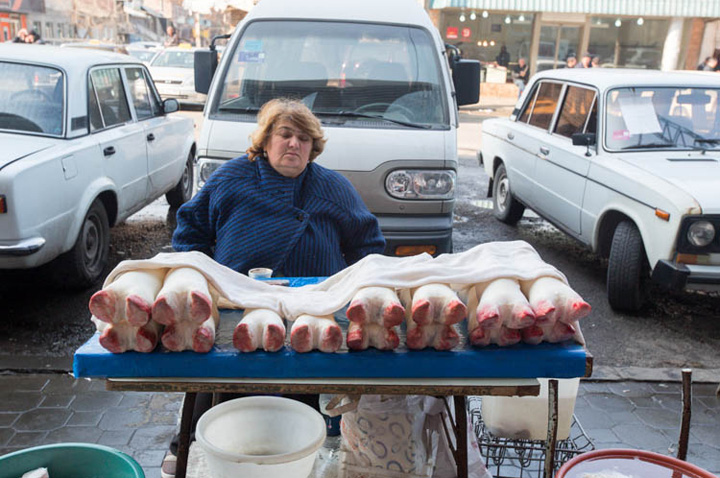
645,8
152,12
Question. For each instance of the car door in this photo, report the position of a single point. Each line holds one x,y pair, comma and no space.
122,140
561,169
162,145
530,137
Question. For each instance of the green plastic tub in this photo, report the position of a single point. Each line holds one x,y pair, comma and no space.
71,460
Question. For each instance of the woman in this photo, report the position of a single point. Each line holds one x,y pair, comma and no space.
274,207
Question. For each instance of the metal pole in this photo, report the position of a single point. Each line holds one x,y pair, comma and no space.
686,413
551,441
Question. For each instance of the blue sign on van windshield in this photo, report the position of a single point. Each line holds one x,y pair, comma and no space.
252,45
251,56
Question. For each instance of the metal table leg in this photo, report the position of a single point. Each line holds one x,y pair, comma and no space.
461,435
551,442
184,438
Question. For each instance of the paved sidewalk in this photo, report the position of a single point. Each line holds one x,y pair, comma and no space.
48,408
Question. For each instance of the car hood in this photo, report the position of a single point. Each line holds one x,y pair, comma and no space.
694,173
168,73
16,147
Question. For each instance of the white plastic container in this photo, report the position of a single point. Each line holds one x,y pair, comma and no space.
527,417
260,437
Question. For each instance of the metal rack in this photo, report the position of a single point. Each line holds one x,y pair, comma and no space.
517,458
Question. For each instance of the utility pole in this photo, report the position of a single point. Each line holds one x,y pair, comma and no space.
197,30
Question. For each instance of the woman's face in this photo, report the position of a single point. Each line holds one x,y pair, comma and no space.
288,149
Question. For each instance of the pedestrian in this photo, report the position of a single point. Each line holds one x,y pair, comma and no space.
274,207
521,74
503,58
20,37
171,39
34,38
585,61
595,61
710,64
571,62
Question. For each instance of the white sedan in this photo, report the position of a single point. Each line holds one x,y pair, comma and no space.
173,70
625,161
86,142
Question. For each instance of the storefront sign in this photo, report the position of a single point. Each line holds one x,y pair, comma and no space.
466,32
451,32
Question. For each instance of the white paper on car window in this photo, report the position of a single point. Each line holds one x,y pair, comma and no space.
639,115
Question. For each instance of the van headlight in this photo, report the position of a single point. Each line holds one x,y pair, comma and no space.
205,168
421,184
701,233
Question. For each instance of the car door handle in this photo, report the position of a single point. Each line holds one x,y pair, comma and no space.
109,151
151,137
510,136
544,150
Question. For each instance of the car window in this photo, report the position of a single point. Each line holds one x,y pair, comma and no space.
175,59
110,96
545,104
96,121
141,94
528,107
576,108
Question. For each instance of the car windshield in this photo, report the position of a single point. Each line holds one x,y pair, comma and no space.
348,74
31,99
662,118
175,59
142,55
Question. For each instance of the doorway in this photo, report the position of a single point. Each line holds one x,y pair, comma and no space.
557,42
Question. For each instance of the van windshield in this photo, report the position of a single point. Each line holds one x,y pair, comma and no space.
349,74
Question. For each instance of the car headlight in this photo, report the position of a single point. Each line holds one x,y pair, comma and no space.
701,233
205,168
421,184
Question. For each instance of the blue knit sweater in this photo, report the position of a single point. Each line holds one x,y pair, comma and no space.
248,215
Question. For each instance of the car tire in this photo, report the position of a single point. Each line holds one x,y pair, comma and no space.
505,207
627,269
182,192
84,264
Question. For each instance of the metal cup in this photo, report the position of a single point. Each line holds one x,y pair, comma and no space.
260,273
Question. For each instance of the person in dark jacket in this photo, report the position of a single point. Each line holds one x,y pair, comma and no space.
21,35
274,207
503,58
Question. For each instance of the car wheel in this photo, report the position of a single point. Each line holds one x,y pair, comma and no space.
506,208
627,268
84,264
182,192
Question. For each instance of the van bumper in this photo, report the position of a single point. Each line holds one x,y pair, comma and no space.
418,230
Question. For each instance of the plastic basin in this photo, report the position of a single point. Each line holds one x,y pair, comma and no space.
71,460
631,463
260,437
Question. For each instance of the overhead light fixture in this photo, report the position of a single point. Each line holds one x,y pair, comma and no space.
485,43
508,19
462,17
521,18
479,43
473,16
485,14
492,42
618,22
640,21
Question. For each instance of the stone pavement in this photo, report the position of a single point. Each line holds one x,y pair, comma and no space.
45,408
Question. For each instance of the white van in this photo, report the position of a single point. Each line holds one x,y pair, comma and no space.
377,74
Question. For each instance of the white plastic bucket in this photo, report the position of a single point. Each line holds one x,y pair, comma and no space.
260,437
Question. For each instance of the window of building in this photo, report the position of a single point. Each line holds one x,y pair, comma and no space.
626,42
545,104
576,108
49,32
37,26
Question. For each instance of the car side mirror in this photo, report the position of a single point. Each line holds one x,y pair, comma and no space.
170,105
584,139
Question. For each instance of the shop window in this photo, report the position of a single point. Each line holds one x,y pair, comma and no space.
576,108
625,42
545,104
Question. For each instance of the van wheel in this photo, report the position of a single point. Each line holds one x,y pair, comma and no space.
506,208
83,265
627,269
182,192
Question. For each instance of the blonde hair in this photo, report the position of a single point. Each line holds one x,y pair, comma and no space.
285,109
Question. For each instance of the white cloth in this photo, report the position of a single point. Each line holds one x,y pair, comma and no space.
482,263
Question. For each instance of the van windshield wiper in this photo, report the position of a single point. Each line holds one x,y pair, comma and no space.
650,146
707,141
355,114
239,109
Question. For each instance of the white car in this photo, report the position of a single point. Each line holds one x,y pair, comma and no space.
86,142
173,70
625,161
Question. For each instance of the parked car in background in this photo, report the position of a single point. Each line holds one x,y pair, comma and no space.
86,142
143,51
174,74
625,161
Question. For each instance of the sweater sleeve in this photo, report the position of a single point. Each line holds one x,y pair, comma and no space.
195,231
361,233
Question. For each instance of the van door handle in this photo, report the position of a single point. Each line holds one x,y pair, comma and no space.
109,151
544,150
151,137
510,136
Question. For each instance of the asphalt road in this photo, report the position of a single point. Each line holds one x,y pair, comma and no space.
40,326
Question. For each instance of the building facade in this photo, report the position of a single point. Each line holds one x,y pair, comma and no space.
667,35
14,16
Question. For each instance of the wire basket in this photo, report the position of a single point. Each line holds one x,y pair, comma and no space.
517,458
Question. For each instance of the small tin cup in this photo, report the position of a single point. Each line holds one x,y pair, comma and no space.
260,273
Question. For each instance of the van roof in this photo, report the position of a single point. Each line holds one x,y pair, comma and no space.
405,12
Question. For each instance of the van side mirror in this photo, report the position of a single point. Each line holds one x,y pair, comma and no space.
584,139
206,62
466,77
